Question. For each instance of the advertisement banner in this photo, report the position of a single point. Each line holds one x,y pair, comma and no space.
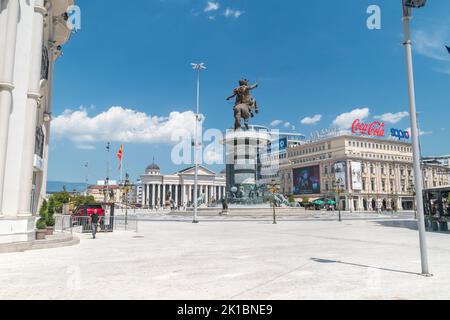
356,176
307,180
340,176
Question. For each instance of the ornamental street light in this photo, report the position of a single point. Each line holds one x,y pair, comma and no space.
408,5
274,188
126,186
197,67
339,183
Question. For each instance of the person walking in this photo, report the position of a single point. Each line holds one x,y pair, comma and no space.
94,223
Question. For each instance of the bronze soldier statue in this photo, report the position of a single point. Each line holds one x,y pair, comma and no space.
245,104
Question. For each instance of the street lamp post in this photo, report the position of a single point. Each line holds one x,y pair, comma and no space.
407,15
126,188
197,67
274,188
339,190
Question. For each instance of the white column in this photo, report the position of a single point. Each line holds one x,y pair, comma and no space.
153,195
34,95
176,195
163,198
206,194
9,15
190,193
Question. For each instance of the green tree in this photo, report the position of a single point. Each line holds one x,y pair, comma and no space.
291,199
59,199
43,214
305,201
51,215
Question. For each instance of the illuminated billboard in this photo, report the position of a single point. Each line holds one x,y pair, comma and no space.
356,176
307,180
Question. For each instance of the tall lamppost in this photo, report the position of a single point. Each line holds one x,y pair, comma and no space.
408,5
274,188
197,67
108,149
339,184
126,189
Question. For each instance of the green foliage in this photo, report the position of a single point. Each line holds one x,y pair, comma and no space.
59,199
51,216
43,212
82,200
291,199
41,225
305,201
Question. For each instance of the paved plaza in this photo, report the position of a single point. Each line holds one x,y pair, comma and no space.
355,259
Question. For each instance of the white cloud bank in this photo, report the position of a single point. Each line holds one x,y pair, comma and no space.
118,124
312,120
393,117
345,120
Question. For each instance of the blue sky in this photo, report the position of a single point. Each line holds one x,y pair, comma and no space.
311,58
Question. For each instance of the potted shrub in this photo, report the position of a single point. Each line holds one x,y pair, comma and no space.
50,220
41,229
41,224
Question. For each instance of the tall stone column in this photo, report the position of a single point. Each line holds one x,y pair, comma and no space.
163,198
183,194
176,195
9,16
34,95
153,195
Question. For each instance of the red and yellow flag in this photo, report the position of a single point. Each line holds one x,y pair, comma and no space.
120,153
120,156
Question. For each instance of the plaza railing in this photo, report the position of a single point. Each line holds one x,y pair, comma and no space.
83,224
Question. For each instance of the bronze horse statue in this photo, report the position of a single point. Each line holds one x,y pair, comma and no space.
245,105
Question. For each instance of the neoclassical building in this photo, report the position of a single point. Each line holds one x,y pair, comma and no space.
31,35
157,189
374,173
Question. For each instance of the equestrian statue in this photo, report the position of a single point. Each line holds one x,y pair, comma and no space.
245,105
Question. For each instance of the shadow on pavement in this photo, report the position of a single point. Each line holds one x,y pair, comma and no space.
411,225
327,261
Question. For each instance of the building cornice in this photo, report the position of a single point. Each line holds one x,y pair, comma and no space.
7,86
40,9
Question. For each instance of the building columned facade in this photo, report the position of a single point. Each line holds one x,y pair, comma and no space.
365,173
31,35
158,190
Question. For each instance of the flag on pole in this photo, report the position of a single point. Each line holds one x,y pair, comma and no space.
448,49
120,156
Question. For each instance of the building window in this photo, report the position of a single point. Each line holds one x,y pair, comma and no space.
39,142
372,185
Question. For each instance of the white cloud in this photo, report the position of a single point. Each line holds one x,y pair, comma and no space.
345,120
287,125
393,117
421,133
431,43
233,13
118,124
276,123
212,6
312,120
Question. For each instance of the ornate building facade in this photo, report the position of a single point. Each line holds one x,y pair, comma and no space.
367,173
157,189
31,35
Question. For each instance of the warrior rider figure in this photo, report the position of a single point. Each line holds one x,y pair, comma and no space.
243,96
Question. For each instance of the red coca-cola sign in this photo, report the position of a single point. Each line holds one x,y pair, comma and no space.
375,128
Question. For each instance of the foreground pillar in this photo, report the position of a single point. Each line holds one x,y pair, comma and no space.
26,181
9,15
